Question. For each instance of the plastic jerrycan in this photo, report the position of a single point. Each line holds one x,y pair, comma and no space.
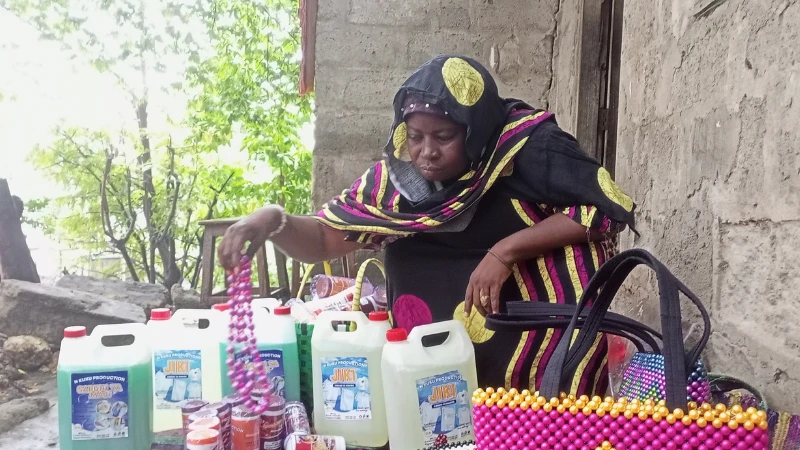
431,385
267,303
277,345
185,362
348,392
105,387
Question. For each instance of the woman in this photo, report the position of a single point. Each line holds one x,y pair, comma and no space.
478,201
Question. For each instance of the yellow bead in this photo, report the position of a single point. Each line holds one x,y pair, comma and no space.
609,400
518,398
580,403
657,417
574,410
725,417
709,416
535,393
541,400
614,413
606,445
561,409
524,406
547,407
701,422
686,421
555,402
705,407
678,413
600,412
751,410
529,399
567,403
662,403
494,396
754,418
605,406
717,423
692,405
762,415
512,404
535,406
525,393
736,409
741,418
489,403
694,414
586,411
501,404
593,405
597,399
720,408
584,398
628,414
489,390
649,402
572,397
733,424
562,396
649,410
501,390
642,415
671,419
763,425
513,391
482,395
663,410
749,426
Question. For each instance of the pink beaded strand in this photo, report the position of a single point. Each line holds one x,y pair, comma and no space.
241,333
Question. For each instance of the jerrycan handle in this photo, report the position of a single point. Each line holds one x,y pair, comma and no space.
327,318
449,326
137,330
196,314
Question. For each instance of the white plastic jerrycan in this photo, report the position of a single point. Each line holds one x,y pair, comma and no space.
267,303
348,391
105,386
185,362
432,376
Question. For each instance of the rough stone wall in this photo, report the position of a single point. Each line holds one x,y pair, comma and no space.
709,145
367,48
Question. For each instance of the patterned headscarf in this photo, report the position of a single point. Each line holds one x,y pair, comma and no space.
394,199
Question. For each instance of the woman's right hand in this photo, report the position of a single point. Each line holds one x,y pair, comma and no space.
253,229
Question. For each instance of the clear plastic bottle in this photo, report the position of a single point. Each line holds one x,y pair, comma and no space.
323,286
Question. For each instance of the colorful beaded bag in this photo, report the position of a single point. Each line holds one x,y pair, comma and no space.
549,418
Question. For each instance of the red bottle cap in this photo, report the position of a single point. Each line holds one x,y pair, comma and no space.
221,307
282,311
397,335
378,316
74,332
160,314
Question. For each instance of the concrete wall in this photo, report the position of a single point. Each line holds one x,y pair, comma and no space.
367,48
709,145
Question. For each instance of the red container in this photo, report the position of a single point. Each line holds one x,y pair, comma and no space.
272,424
246,427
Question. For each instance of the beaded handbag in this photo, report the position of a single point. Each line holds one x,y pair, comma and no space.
552,419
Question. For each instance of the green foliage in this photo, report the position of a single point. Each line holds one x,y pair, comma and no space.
138,194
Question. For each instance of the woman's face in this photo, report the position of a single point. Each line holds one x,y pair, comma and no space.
437,146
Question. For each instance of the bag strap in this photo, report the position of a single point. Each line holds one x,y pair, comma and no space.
526,316
558,374
362,271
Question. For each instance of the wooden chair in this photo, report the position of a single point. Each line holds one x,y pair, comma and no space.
215,228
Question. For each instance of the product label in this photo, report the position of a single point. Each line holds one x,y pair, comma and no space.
179,377
273,365
99,405
444,407
345,387
313,442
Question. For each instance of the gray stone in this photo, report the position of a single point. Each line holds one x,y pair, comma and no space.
27,352
44,311
187,298
146,295
17,411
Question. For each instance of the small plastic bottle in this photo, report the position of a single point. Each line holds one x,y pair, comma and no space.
323,286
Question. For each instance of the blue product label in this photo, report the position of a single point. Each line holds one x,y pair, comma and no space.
345,388
99,405
178,377
444,408
273,365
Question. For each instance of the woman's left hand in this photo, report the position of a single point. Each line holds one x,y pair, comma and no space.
485,283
